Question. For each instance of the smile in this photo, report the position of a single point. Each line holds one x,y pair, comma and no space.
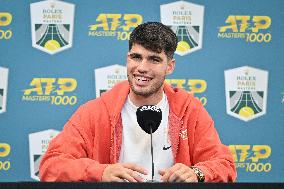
142,79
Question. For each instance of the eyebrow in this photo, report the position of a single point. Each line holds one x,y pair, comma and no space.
155,57
132,54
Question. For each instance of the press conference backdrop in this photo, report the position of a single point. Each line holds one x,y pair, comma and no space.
56,55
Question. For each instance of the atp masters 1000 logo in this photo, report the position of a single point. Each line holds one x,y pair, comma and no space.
252,158
51,90
5,163
246,92
114,25
249,28
5,20
52,25
186,20
195,86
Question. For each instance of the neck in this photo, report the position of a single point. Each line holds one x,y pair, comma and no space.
139,100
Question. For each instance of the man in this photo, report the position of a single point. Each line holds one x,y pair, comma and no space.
103,141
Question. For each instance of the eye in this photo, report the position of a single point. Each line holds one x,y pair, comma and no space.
135,57
155,60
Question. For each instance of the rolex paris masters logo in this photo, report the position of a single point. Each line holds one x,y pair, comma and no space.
3,88
52,25
38,144
246,92
109,76
186,20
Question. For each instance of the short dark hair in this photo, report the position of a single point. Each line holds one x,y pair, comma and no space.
156,37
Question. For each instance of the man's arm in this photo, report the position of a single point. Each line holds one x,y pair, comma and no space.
67,158
73,155
209,154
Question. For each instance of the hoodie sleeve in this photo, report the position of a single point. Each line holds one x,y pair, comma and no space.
68,154
210,155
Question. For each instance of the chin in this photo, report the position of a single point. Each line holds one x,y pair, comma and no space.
140,92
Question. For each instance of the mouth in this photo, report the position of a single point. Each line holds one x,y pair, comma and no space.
141,79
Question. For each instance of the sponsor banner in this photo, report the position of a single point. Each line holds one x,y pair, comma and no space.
6,32
52,24
186,20
107,77
195,86
3,88
38,144
252,158
254,29
114,25
246,92
57,91
5,150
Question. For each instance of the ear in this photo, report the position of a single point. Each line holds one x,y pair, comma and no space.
171,66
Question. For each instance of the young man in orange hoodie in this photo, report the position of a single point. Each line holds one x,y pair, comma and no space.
102,141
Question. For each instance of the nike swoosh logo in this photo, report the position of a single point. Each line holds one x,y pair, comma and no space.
166,148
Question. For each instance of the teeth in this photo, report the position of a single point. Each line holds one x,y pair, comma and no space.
142,79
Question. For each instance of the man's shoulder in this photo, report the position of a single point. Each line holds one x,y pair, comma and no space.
91,106
118,89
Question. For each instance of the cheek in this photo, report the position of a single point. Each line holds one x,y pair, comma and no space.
164,70
129,69
129,66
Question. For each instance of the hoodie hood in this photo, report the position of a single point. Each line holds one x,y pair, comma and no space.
178,99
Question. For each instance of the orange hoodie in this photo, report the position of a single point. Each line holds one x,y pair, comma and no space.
92,138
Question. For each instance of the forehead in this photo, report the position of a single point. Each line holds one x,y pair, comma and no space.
139,49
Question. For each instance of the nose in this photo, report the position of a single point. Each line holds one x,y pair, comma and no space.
143,66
